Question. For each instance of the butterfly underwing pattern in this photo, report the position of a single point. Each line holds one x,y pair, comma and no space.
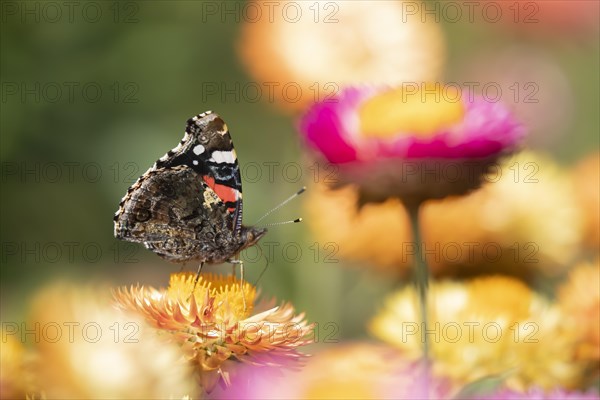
188,205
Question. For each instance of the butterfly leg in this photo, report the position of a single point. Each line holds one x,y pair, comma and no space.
197,278
242,283
237,261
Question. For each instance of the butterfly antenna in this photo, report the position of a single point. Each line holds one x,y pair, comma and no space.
295,221
283,203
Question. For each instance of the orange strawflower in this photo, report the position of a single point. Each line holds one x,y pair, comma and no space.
215,324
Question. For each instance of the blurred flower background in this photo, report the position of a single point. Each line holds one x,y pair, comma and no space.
92,94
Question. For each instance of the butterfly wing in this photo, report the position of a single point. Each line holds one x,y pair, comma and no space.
207,149
178,216
188,205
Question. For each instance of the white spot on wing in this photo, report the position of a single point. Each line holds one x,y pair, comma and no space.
223,157
195,162
199,149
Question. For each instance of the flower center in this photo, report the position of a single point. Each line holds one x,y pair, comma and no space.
418,111
226,290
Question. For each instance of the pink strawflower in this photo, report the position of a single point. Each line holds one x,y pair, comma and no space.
359,370
406,138
539,394
332,127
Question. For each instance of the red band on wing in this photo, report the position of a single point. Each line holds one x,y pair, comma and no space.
225,193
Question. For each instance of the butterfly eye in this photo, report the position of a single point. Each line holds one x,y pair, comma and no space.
142,215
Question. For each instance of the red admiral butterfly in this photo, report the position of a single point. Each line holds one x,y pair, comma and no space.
188,205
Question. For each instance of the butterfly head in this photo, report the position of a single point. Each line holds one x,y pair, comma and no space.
249,236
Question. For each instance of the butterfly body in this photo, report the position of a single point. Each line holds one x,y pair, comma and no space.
188,205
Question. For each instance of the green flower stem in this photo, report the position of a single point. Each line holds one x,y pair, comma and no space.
421,274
